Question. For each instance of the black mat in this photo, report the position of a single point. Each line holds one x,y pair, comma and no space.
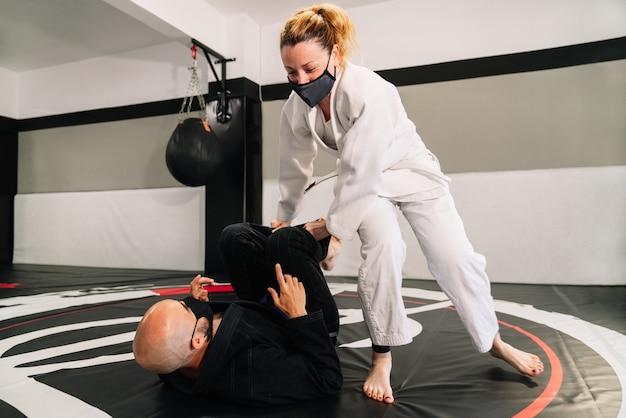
66,332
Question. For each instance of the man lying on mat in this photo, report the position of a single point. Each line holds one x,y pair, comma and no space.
273,346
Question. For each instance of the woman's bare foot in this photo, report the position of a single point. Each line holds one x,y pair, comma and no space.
334,248
525,363
378,383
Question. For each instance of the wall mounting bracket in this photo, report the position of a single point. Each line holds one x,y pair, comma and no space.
223,115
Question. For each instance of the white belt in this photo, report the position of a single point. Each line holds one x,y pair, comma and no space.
420,168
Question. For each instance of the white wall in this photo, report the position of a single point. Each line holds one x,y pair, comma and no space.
560,226
141,76
149,228
406,33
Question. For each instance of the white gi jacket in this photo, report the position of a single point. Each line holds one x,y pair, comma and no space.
381,157
379,152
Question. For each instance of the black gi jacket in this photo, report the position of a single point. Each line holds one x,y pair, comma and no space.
259,357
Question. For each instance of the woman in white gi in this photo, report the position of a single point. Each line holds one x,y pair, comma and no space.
383,165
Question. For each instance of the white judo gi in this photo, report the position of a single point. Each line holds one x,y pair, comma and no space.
383,165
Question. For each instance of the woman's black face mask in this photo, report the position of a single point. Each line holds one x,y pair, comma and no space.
200,310
314,91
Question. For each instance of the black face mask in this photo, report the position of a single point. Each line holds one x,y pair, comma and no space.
201,310
314,91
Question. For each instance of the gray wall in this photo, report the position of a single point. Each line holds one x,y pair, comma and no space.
567,117
128,154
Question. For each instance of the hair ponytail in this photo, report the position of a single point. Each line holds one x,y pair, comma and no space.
326,24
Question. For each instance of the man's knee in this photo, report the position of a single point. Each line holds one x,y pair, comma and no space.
230,233
287,236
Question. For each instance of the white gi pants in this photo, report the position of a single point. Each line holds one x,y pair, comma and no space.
459,271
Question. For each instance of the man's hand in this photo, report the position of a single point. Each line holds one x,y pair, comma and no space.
197,291
292,298
277,224
317,229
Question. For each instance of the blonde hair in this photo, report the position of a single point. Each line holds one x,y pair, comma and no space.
326,24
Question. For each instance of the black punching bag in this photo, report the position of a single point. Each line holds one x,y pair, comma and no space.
194,153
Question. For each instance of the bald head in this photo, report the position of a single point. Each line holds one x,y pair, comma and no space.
162,342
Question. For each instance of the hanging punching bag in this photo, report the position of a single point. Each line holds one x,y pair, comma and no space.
194,153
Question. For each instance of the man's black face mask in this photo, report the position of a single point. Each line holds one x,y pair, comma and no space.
201,310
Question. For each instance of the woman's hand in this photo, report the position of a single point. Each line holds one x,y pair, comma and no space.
277,224
292,298
196,289
317,229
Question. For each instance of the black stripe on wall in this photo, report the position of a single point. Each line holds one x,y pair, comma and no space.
545,59
166,107
237,88
567,56
7,124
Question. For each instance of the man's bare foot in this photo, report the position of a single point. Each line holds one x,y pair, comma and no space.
525,363
334,248
378,383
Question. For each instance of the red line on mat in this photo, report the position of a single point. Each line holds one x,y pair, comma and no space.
222,288
556,376
50,316
554,384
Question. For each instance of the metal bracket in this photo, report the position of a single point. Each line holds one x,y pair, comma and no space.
223,115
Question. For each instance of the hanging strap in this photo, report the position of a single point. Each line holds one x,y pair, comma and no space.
193,89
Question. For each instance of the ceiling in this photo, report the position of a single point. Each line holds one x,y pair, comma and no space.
37,34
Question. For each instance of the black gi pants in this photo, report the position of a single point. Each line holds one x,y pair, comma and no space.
250,251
